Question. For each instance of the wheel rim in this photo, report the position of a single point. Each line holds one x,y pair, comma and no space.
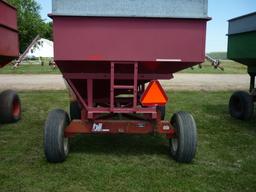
175,144
65,143
175,140
16,108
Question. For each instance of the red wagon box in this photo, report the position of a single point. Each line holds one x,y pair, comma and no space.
10,108
9,44
108,50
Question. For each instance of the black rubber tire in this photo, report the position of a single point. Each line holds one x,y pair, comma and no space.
241,105
74,110
183,145
56,146
162,111
10,107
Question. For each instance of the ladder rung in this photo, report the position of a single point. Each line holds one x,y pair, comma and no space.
123,87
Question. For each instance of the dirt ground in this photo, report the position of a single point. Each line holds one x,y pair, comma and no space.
207,82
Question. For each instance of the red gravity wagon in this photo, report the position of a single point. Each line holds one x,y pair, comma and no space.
108,51
10,108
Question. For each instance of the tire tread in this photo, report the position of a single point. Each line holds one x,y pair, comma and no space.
187,141
55,124
7,99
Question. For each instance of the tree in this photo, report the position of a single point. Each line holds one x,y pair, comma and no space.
47,32
30,23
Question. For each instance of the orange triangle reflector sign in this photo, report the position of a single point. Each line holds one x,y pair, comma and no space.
154,95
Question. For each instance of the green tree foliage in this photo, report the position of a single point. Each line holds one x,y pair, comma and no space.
48,31
30,23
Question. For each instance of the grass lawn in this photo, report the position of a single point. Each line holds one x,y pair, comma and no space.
29,69
230,67
225,161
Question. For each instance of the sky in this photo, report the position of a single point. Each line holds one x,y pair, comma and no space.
219,10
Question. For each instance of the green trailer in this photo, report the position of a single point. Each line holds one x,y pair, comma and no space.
242,48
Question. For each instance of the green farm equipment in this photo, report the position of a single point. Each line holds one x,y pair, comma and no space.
242,48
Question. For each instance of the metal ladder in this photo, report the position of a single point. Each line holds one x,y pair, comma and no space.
113,87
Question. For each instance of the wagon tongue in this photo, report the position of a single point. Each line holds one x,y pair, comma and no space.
154,95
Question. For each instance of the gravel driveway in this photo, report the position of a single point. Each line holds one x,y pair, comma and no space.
180,82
